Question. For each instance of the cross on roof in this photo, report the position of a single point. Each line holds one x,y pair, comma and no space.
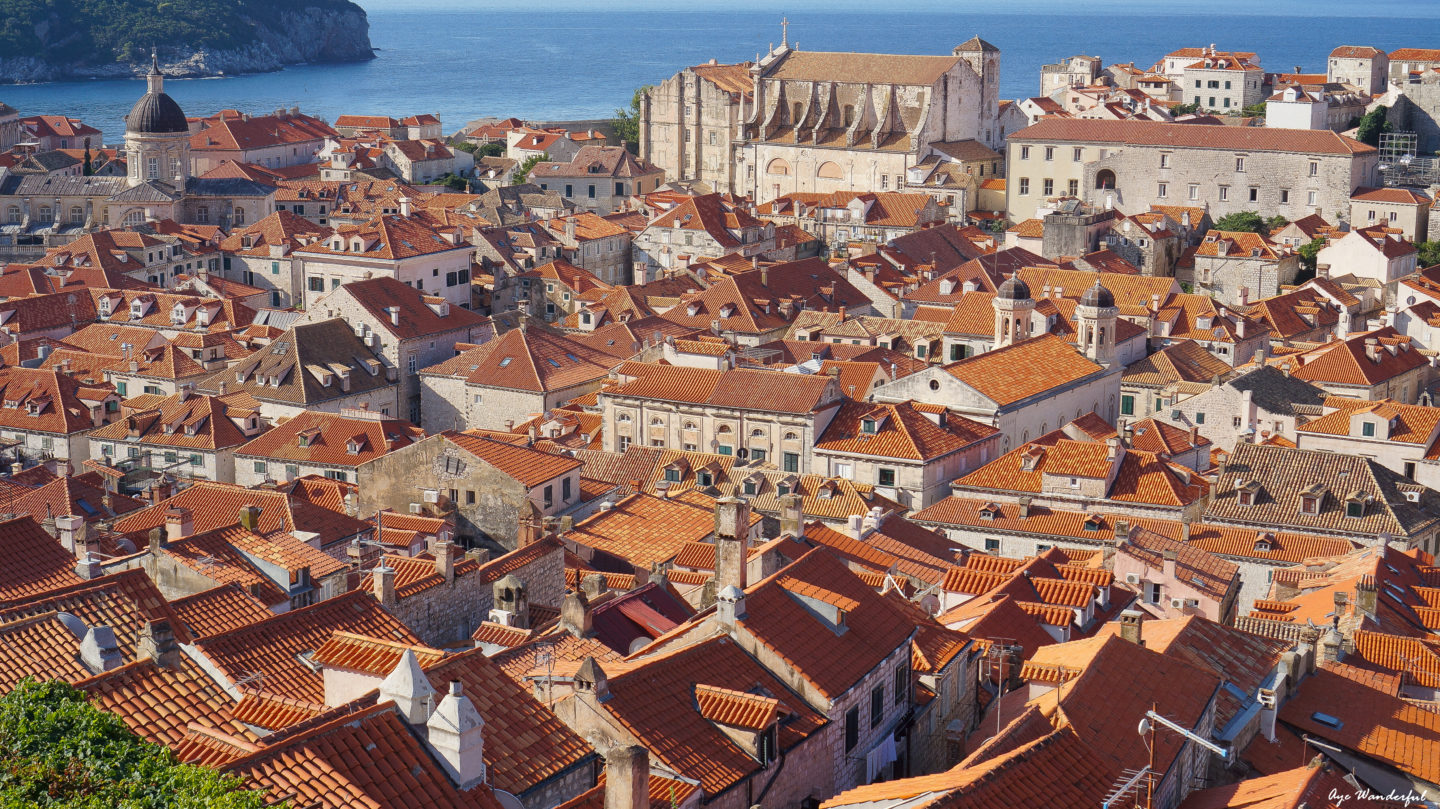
784,31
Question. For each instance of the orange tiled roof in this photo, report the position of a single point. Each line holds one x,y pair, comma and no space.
35,561
899,431
219,609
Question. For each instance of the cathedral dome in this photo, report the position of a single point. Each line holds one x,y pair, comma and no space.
156,113
1013,289
1098,297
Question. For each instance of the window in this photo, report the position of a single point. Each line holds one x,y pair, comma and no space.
1254,194
724,449
1367,429
316,284
1224,193
120,387
565,490
790,461
1200,418
1079,153
1354,509
902,683
1239,164
1212,102
1311,198
1227,101
336,474
1152,592
569,190
1127,405
672,475
549,496
1314,168
1194,191
1049,186
877,705
886,477
852,728
1024,152
292,471
1162,191
592,192
1049,152
260,467
992,545
1284,195
1073,189
274,268
1164,161
1024,186
469,497
757,455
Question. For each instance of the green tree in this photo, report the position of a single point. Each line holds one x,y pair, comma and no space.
1372,125
1254,110
492,149
1184,109
1308,253
453,182
523,172
57,750
627,121
1242,221
467,146
1429,253
1275,223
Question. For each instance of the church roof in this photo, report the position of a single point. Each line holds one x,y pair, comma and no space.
975,43
156,113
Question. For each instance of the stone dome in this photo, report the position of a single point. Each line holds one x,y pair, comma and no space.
1013,289
156,113
1098,297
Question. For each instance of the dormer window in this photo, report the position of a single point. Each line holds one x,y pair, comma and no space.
1265,543
868,426
1355,505
989,511
750,487
1093,522
704,479
672,475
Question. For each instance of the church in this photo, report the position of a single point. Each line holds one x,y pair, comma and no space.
38,211
820,122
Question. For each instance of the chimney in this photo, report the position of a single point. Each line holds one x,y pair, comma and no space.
508,594
179,523
1168,559
98,650
157,642
792,517
729,606
594,585
384,583
410,690
732,526
575,615
394,315
1372,349
1365,595
1131,622
445,560
88,567
250,517
591,682
404,206
1332,645
352,504
627,778
457,737
72,533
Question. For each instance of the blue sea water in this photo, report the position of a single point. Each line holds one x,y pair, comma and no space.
567,59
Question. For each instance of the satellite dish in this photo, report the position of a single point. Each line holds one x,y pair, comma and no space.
1144,726
507,800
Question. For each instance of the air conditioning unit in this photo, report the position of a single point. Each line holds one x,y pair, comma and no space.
1132,578
1177,603
416,508
502,617
432,496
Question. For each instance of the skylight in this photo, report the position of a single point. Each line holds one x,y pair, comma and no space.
505,362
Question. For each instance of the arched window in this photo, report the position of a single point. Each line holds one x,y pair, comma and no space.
830,170
792,437
723,429
623,417
1105,178
133,218
777,166
657,422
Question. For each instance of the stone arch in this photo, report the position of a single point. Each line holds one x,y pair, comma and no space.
777,166
133,217
1105,178
830,170
797,109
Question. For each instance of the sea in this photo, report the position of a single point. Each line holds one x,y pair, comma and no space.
574,59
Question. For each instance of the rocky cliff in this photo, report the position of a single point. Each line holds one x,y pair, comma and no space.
258,36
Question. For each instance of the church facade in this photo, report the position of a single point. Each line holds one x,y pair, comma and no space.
820,122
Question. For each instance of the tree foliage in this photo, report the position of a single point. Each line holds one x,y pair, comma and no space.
59,751
1242,221
1254,110
1373,124
1275,223
522,173
452,181
100,31
1308,254
1184,109
1429,253
627,121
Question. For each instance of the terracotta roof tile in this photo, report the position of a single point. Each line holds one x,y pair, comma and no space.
218,610
1021,370
35,561
1146,133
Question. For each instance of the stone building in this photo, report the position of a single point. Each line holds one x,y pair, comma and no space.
688,122
1365,67
1222,82
600,179
824,122
1236,268
490,487
1077,71
1133,165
